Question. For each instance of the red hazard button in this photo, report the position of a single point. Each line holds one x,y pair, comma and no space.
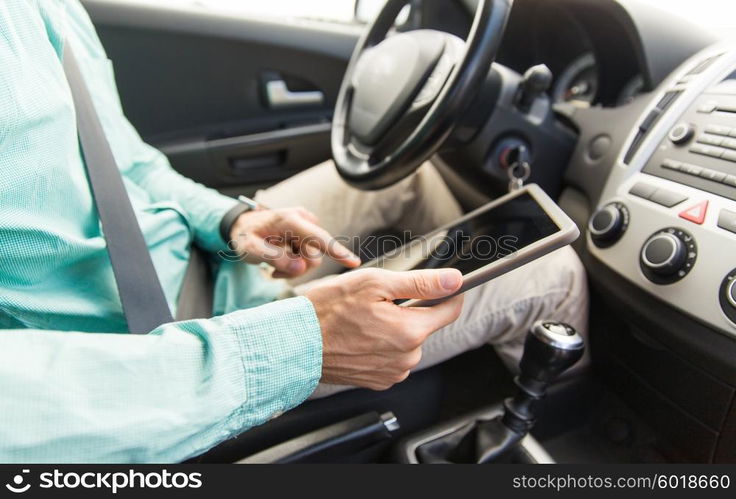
697,213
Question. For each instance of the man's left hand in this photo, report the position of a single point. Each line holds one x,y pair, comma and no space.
290,240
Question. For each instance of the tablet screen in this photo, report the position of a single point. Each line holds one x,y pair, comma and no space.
489,236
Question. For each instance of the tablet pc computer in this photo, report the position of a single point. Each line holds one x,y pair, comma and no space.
497,238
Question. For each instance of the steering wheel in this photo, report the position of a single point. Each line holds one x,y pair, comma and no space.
402,95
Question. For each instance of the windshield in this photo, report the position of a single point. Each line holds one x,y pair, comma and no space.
719,16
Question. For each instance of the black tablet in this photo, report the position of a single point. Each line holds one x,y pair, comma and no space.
492,240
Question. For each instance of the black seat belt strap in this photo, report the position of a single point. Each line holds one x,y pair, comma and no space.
142,297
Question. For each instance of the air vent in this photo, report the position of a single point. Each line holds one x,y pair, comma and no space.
652,118
703,65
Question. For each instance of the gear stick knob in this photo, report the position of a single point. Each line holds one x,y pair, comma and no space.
550,349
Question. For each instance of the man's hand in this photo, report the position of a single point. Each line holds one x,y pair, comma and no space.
290,240
370,342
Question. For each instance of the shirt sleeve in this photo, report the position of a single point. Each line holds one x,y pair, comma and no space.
162,397
204,207
139,162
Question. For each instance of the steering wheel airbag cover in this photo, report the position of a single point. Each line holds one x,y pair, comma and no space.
387,77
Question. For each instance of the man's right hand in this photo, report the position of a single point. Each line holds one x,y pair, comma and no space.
370,342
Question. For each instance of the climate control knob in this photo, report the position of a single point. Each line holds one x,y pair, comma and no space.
728,296
608,224
664,254
668,256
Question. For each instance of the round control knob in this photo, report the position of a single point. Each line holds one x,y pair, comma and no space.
668,256
682,133
728,296
664,254
608,224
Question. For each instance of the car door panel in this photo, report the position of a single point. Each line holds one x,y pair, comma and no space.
195,85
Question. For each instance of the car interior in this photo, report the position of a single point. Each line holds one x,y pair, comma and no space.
627,117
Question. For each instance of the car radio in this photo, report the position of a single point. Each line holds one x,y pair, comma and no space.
700,150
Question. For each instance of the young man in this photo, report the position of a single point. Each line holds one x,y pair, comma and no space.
71,391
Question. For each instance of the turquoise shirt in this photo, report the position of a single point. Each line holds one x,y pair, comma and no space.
70,390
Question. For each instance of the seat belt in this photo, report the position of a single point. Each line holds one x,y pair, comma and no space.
142,297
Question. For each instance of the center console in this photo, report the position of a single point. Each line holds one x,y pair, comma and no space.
665,234
667,221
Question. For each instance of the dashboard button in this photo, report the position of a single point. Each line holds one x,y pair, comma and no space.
713,175
696,214
727,220
708,107
667,198
711,140
691,169
671,164
712,151
718,130
682,133
731,295
642,190
729,156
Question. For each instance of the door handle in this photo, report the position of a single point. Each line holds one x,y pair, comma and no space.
279,96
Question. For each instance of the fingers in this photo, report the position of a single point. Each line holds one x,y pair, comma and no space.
286,263
423,284
311,234
308,215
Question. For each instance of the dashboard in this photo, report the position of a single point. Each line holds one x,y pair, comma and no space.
667,217
591,62
655,153
578,84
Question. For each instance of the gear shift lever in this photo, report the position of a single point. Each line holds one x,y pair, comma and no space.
550,349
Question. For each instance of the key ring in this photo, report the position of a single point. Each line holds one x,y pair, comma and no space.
518,174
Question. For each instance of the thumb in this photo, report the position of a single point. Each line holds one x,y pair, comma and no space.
424,284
